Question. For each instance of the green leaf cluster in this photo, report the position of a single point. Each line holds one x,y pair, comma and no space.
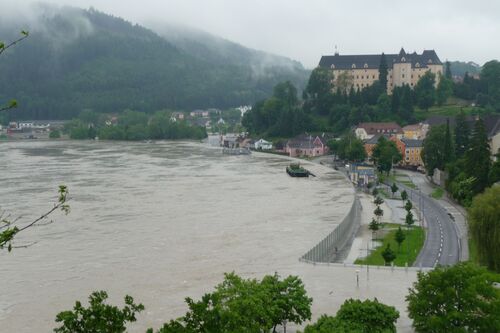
459,298
98,317
355,316
484,226
241,305
385,155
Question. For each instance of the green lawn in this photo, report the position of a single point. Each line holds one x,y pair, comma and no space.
384,193
437,193
446,110
409,248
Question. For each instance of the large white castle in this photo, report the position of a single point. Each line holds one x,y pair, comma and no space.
403,68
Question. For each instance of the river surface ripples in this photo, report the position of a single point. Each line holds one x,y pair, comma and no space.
159,221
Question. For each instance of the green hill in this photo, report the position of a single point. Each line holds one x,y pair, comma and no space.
80,59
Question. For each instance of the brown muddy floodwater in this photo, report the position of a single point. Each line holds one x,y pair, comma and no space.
163,221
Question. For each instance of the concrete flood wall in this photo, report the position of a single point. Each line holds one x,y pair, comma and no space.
326,251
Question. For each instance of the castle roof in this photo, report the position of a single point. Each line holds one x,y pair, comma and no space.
372,61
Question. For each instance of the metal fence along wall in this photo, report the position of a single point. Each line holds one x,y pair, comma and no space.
327,249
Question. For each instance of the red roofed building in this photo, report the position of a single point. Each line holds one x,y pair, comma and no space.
366,131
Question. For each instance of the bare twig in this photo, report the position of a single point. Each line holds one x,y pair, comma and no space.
24,246
13,103
10,231
5,47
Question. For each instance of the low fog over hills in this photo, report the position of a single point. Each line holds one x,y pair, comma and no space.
79,59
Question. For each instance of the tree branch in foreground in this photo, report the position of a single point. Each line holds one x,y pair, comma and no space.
10,229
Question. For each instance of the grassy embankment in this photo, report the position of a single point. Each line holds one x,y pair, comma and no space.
437,193
397,178
452,109
410,247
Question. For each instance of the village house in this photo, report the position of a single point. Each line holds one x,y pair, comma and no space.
306,145
178,115
403,68
410,149
361,174
370,144
412,154
199,113
263,145
415,131
366,131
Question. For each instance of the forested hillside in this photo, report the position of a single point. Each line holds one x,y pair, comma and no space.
82,59
459,68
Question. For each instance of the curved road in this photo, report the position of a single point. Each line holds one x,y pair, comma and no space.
442,245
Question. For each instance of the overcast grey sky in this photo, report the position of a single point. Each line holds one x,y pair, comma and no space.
306,29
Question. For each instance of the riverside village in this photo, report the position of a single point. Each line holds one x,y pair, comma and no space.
160,177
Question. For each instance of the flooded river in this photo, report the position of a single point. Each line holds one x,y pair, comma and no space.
163,221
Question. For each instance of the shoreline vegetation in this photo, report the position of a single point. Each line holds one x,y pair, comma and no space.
132,126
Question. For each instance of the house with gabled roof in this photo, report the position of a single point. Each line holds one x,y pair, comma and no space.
306,145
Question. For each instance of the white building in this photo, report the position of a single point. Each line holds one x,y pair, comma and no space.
263,144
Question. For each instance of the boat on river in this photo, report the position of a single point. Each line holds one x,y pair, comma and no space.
295,170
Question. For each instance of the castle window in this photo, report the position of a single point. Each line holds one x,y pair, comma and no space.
332,66
430,61
373,76
412,76
362,76
403,76
390,77
412,83
357,76
366,65
353,66
417,65
362,84
403,59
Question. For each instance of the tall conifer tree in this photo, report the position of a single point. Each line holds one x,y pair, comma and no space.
462,133
477,157
449,153
383,72
447,72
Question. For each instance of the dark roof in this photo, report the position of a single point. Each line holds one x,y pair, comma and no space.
302,141
374,139
385,127
372,61
411,143
491,122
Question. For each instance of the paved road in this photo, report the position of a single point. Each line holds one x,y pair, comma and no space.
442,245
